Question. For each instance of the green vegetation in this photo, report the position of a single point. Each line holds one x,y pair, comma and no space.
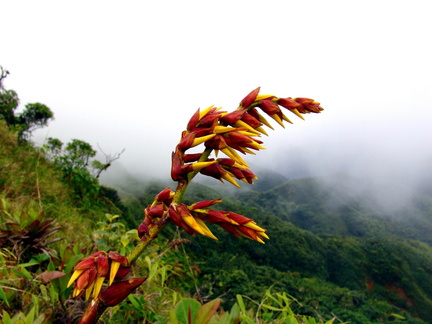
330,258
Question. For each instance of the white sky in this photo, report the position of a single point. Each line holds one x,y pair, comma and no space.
130,74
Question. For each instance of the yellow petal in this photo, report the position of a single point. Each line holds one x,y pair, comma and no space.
248,133
264,121
200,165
115,265
259,240
205,228
254,226
192,223
89,290
76,292
205,111
202,139
231,153
263,96
240,123
97,286
223,129
286,119
261,130
230,179
248,151
239,166
295,111
257,145
74,276
263,234
278,120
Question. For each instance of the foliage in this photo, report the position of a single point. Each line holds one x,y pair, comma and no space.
26,234
297,277
34,115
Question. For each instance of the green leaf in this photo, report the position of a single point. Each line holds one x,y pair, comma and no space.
397,316
206,312
23,273
6,318
277,309
183,307
40,319
53,294
30,316
173,319
32,262
3,296
134,302
241,304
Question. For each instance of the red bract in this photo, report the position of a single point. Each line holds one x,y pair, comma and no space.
205,204
251,121
289,103
269,107
309,104
186,142
164,194
214,171
176,220
193,121
232,117
118,291
86,278
115,256
250,98
155,211
210,119
191,157
102,266
216,143
177,173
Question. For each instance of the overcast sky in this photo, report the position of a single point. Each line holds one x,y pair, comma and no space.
130,74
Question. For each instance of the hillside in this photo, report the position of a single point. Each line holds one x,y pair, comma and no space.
326,245
365,278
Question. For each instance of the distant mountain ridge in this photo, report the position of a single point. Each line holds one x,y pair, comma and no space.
336,206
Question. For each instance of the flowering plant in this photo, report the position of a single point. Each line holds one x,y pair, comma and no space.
234,134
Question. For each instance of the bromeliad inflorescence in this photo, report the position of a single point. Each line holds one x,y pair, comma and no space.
234,134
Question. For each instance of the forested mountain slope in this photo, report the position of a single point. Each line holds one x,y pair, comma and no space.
334,251
324,206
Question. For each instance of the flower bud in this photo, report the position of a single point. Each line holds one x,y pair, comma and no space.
250,98
115,256
232,117
205,204
102,266
86,278
143,228
118,291
155,211
164,194
193,121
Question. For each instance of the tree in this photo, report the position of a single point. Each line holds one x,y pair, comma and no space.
100,167
8,100
34,115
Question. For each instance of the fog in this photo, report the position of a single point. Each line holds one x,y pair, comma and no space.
129,76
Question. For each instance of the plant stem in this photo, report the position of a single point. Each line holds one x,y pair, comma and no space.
182,185
157,227
145,241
